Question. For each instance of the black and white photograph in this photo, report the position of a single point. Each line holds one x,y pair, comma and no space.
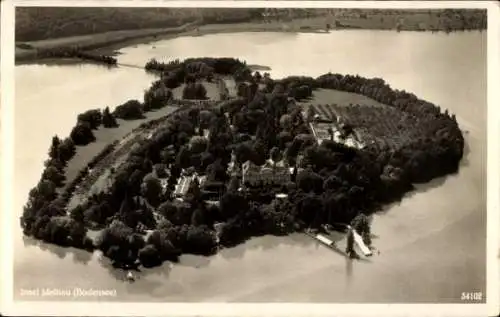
259,153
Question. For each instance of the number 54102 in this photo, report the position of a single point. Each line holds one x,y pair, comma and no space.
472,296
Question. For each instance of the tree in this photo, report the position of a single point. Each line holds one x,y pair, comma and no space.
301,92
206,119
279,89
231,233
259,148
164,224
168,210
305,140
244,152
284,138
149,256
199,216
252,90
175,172
130,110
242,73
233,203
257,76
286,122
310,210
160,170
152,189
53,174
309,181
66,150
114,242
243,90
200,241
161,241
108,120
194,91
310,114
198,144
333,182
46,190
194,192
136,242
77,234
82,134
206,158
330,132
234,184
54,148
58,230
347,130
217,172
126,212
275,154
156,97
135,181
183,157
92,117
77,213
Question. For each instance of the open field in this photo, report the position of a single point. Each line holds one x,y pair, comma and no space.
341,98
416,20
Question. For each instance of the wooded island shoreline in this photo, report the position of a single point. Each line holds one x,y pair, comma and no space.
243,155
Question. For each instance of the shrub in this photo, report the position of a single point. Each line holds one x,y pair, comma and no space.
82,134
108,120
194,91
92,117
130,110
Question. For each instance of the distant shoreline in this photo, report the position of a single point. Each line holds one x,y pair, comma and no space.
108,43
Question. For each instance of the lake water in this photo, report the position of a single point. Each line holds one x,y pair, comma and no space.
432,244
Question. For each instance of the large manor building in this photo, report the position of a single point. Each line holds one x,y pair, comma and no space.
268,174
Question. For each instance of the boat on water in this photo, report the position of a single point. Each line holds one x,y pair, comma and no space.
360,244
130,276
327,241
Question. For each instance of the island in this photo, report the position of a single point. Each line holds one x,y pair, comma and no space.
216,153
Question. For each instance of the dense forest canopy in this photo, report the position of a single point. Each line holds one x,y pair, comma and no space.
215,173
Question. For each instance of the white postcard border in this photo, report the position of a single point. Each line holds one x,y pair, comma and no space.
9,307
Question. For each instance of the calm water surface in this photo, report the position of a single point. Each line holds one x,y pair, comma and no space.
432,244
